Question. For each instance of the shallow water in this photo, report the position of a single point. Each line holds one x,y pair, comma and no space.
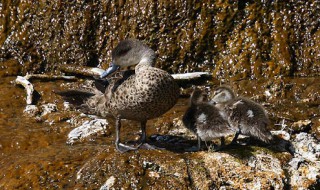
34,153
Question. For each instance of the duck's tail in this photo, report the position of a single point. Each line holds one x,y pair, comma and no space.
87,102
263,134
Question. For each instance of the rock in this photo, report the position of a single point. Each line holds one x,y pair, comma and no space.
282,134
48,108
192,37
108,184
304,168
31,110
306,147
224,171
88,128
301,125
134,170
315,128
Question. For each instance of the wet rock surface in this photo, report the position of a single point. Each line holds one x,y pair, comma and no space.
265,50
235,39
36,151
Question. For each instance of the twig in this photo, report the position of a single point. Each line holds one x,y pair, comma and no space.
81,70
94,71
48,77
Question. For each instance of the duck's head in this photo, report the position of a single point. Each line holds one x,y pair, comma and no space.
128,53
197,97
222,94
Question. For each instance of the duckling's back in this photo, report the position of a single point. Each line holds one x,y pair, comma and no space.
250,117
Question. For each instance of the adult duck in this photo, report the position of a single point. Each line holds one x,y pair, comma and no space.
144,95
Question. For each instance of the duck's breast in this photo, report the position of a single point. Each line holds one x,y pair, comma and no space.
147,94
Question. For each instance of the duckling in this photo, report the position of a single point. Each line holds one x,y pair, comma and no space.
247,116
144,94
205,120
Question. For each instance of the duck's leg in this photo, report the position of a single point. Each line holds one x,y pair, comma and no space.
197,148
199,143
142,142
119,146
222,144
143,137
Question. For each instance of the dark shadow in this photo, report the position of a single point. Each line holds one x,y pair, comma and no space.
177,144
242,150
239,151
36,97
101,84
187,83
281,145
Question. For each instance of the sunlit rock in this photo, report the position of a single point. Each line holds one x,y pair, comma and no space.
48,108
87,129
108,184
301,125
259,171
31,110
304,168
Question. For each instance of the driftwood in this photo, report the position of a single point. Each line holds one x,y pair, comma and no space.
81,70
28,86
94,71
49,77
91,72
24,81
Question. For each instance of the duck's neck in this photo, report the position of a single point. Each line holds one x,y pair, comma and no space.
147,60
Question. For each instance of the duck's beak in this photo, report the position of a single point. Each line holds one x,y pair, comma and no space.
110,70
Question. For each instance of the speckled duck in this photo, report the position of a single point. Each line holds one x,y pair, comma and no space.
205,120
146,94
247,116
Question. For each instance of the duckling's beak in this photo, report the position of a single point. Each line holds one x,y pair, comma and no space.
110,70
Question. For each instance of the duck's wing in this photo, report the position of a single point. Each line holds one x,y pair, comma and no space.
101,84
125,75
75,97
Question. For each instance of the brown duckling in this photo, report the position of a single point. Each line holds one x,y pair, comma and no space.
205,120
247,116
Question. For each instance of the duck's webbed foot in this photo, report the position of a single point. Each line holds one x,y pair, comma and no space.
150,147
122,148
